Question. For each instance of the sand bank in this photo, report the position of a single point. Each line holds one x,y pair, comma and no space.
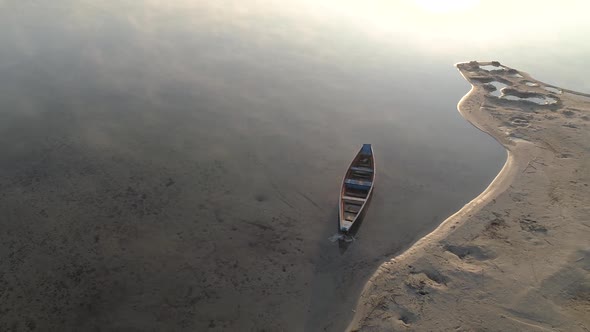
517,257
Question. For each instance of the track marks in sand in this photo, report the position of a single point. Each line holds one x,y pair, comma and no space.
470,252
565,288
419,284
526,323
520,121
530,225
425,281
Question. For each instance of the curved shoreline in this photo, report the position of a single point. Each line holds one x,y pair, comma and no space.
420,269
498,184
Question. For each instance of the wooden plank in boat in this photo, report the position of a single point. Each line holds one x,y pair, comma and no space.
350,198
349,216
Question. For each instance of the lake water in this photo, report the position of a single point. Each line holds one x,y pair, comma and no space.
176,165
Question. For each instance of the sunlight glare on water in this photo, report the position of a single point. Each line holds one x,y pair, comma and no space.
453,26
447,6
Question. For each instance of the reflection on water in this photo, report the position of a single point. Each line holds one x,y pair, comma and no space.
552,89
535,100
498,86
176,165
491,67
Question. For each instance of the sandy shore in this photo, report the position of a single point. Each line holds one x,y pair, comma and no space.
517,257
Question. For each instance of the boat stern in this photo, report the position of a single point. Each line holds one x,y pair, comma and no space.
345,226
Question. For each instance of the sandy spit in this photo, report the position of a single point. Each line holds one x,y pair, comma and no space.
517,257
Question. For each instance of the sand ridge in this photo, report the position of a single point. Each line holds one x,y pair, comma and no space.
517,257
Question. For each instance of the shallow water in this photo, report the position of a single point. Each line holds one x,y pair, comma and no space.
177,166
498,88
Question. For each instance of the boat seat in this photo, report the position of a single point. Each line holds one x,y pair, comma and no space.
353,199
361,176
358,184
352,208
361,169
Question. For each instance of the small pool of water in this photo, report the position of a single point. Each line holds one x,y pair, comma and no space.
536,100
499,86
491,67
552,89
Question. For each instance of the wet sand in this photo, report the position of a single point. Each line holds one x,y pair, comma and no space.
517,256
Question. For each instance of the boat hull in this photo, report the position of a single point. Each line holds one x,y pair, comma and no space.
357,189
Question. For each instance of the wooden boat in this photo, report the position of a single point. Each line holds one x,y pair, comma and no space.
357,187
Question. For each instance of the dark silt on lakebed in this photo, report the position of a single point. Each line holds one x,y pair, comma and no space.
165,167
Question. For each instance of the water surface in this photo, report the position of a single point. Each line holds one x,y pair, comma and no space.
177,165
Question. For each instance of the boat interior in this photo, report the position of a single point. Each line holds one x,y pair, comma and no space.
357,184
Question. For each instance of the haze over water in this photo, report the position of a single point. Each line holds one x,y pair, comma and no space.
177,165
